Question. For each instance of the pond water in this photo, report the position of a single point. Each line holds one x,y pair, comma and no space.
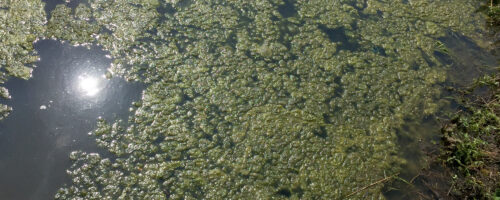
265,99
54,112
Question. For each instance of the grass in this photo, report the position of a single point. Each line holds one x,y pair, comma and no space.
471,142
492,10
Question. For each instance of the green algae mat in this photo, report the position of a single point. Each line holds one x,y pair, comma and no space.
261,99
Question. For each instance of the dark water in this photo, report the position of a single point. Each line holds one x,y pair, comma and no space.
53,113
51,4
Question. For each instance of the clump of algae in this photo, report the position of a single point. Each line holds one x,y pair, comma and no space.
246,101
21,23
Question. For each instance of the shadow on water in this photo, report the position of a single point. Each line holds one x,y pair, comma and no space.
53,112
467,60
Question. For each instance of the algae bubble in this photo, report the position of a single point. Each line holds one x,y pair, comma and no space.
264,99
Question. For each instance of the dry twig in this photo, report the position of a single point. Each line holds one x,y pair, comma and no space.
371,185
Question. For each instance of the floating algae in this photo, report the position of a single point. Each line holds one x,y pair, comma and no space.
21,23
264,99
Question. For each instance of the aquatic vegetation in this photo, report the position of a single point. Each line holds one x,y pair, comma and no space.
246,103
74,28
259,99
4,93
21,24
4,111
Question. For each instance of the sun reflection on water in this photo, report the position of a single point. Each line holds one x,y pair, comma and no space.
89,85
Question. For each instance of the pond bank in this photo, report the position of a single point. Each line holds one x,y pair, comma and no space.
465,164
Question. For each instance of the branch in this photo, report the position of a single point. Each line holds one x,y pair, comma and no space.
371,185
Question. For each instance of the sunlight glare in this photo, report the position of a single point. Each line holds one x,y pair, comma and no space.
89,85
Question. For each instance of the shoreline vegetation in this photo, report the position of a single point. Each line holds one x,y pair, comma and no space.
465,164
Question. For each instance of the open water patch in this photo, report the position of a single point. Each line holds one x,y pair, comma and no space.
50,5
339,35
287,9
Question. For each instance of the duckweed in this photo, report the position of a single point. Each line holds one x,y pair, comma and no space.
246,101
